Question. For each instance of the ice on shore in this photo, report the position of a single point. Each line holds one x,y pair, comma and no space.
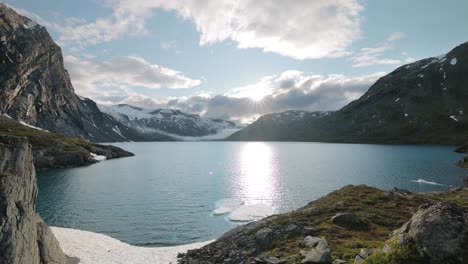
225,206
93,248
97,157
427,182
252,212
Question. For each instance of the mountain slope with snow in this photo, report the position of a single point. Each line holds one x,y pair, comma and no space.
424,102
172,122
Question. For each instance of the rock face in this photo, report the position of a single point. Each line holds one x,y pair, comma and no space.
24,237
422,102
438,232
36,88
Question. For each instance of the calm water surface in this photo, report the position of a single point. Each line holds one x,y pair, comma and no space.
166,194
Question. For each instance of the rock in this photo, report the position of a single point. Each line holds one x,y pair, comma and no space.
309,231
365,253
359,260
265,238
293,229
24,237
312,242
348,220
339,261
438,232
269,260
319,252
341,204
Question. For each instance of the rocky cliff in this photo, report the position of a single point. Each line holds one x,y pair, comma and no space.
24,237
35,86
356,224
423,103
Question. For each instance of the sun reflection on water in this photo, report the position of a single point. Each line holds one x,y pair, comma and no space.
257,167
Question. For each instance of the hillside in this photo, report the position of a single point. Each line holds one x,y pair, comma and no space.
356,224
420,103
51,150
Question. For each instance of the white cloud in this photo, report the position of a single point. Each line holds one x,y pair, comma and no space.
94,78
286,91
299,29
374,56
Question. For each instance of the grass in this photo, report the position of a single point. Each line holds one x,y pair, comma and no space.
381,211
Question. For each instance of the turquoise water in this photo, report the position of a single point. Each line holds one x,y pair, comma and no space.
166,194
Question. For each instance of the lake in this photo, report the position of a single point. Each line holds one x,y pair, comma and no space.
175,193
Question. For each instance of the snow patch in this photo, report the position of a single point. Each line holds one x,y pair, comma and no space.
252,212
454,118
97,157
31,126
453,61
93,248
398,99
406,114
427,182
30,24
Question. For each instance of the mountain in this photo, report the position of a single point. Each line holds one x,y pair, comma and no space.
419,103
52,150
36,89
170,122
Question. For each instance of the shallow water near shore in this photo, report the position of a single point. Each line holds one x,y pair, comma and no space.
174,193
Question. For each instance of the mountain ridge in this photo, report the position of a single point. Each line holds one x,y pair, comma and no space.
419,103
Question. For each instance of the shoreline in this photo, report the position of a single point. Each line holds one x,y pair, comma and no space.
92,248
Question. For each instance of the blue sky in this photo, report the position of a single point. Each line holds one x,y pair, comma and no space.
241,59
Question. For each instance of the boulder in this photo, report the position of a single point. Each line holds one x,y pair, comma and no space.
348,220
437,232
24,237
265,238
293,229
319,251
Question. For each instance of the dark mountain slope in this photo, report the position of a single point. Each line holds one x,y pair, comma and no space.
423,102
35,87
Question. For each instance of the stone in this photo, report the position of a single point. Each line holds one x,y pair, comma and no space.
339,261
348,220
24,237
365,253
359,260
439,232
269,260
265,238
341,204
319,251
293,229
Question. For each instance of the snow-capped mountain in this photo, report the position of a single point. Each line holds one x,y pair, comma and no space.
169,121
424,102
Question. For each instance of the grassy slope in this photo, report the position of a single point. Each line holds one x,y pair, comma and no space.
53,150
381,211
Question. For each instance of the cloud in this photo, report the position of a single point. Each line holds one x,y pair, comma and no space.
374,56
300,29
287,91
94,78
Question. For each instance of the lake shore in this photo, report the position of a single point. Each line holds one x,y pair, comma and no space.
92,248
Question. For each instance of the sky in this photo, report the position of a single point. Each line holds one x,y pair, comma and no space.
241,59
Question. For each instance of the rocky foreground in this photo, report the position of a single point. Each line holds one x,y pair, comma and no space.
24,237
356,224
